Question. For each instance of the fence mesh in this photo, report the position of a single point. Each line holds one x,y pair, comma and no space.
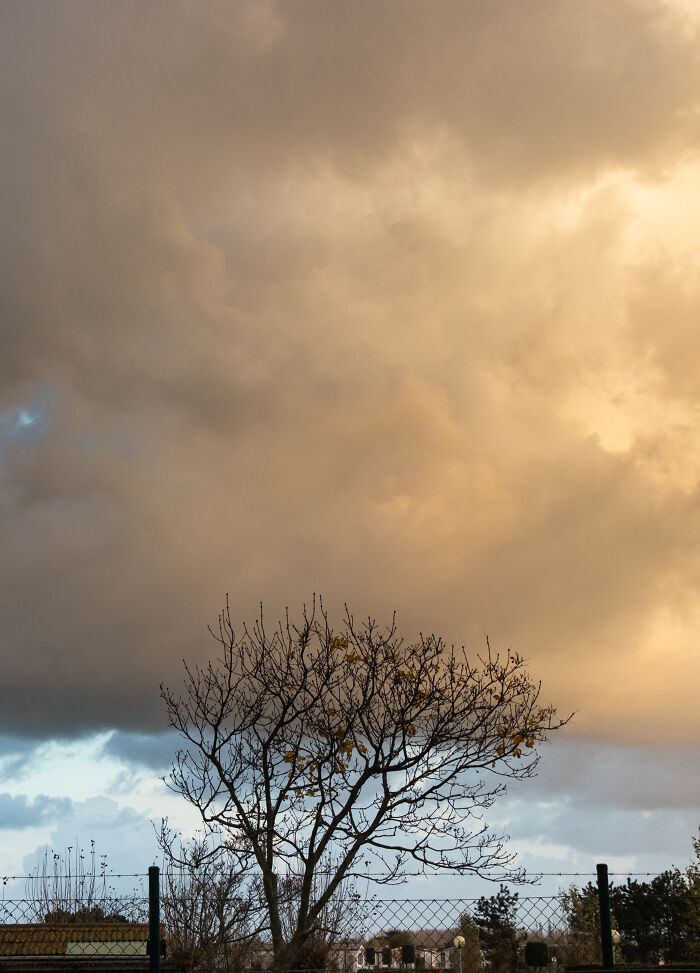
420,933
75,927
209,931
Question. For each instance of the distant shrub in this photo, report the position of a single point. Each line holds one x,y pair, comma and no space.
536,953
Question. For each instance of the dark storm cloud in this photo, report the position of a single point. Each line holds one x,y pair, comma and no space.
341,297
528,90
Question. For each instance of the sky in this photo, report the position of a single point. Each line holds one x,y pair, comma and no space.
395,302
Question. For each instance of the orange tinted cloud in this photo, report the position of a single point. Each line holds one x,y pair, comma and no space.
385,302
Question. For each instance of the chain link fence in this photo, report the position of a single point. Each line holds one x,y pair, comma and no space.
200,930
419,934
74,927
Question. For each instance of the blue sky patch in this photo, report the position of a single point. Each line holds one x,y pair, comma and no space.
27,422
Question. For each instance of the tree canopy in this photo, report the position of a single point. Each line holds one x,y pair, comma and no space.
657,920
306,743
496,918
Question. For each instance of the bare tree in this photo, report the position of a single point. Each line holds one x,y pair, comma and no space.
307,741
335,923
211,913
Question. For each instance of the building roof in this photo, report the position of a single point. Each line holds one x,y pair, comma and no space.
52,939
434,938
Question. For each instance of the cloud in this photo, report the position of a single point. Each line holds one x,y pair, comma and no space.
526,93
152,751
593,774
370,303
113,829
626,839
17,811
17,756
634,807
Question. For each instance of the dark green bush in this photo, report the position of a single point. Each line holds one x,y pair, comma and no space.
536,953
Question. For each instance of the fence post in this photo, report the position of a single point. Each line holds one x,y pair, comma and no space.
154,919
606,940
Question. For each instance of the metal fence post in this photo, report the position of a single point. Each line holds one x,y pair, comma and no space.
154,919
606,940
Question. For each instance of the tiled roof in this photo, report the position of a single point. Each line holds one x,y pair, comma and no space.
52,939
434,938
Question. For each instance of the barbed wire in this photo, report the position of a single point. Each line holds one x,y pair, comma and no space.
99,876
532,877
